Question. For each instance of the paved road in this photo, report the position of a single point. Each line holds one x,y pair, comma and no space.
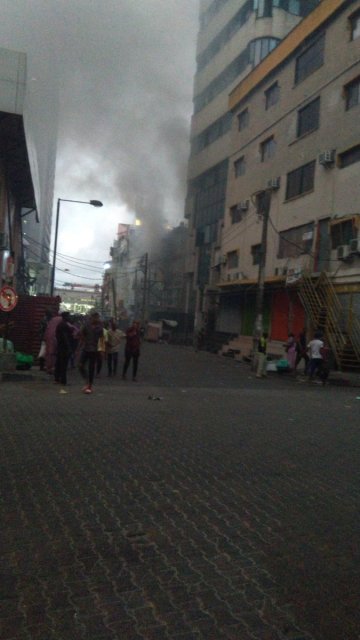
229,509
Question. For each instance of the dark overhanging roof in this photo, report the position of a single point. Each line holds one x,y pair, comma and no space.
15,161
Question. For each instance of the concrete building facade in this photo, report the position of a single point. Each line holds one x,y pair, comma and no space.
234,36
296,138
28,153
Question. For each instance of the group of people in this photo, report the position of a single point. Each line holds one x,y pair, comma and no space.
314,353
89,344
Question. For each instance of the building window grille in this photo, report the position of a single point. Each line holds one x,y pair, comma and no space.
240,167
267,149
352,93
243,119
310,60
301,180
272,95
297,241
349,157
308,118
256,253
232,260
355,25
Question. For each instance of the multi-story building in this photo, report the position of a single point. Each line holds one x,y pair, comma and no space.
293,194
28,145
234,36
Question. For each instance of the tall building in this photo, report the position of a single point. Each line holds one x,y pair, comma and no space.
28,123
293,194
234,37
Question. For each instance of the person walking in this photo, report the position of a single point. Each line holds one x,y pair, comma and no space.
90,333
132,349
261,356
63,335
113,346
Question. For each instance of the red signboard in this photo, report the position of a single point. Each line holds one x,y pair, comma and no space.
8,298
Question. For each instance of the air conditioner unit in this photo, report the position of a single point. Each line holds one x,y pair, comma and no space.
274,183
343,252
3,241
244,205
327,157
354,245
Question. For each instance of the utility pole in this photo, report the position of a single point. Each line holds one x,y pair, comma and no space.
145,282
263,209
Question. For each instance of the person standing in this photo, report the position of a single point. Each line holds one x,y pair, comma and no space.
113,346
261,356
90,333
132,349
63,335
315,347
301,351
101,349
42,330
291,351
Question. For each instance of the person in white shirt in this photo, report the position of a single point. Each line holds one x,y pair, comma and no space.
314,349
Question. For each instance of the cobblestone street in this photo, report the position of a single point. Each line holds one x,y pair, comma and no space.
225,508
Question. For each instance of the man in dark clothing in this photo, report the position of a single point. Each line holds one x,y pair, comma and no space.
89,338
132,348
63,335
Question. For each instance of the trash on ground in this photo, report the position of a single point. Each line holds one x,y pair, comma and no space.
155,398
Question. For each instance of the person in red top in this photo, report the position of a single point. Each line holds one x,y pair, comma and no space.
132,348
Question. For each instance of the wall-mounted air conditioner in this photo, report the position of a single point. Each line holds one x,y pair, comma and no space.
343,252
274,183
244,205
3,241
354,245
327,157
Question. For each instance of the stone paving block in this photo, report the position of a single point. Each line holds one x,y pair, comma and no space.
208,516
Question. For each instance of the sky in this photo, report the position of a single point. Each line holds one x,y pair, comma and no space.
119,75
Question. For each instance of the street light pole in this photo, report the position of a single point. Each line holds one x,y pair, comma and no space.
93,203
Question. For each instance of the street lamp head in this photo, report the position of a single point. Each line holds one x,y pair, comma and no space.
96,203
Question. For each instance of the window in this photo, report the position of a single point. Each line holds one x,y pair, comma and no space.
349,157
272,95
256,253
235,214
239,167
260,48
355,25
342,232
243,119
352,93
267,149
263,8
300,180
297,241
232,260
308,118
310,60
